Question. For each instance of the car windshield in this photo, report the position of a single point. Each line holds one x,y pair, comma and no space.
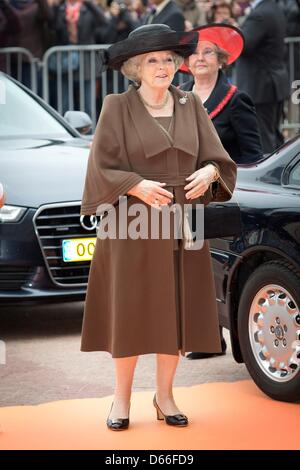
22,116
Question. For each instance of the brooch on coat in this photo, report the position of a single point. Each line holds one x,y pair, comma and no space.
183,99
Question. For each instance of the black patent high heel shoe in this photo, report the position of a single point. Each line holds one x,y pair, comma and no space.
117,424
173,420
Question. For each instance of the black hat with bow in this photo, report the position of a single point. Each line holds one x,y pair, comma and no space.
148,38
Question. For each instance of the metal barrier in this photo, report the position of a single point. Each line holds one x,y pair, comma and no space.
74,72
71,79
293,57
13,65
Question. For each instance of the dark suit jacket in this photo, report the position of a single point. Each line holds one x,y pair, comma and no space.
170,15
261,70
236,124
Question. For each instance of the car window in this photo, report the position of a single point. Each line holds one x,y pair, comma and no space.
294,178
22,116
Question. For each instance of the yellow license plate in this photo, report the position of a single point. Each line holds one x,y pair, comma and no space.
78,249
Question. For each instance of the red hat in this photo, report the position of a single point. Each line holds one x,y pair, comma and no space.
227,37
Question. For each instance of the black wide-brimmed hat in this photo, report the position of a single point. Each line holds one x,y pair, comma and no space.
148,38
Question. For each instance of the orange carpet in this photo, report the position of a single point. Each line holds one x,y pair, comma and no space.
222,416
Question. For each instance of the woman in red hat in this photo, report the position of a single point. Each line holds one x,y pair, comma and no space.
231,111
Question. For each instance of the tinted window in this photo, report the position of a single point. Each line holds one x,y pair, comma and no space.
294,179
22,116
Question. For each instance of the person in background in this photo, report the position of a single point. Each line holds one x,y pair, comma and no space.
231,111
76,22
165,12
240,9
139,8
9,24
222,12
291,11
205,6
33,15
121,21
243,5
261,70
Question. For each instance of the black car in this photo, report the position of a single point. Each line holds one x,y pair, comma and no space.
42,168
257,274
46,247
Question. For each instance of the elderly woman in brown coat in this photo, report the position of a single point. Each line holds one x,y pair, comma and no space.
154,145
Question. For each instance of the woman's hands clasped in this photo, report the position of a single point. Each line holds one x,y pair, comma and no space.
151,192
199,181
154,194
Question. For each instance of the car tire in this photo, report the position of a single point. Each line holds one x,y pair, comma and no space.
269,329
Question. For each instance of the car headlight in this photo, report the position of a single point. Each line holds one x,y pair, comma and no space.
11,213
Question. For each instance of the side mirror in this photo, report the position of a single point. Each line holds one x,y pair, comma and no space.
79,120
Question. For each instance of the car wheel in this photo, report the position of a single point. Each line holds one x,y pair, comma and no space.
269,329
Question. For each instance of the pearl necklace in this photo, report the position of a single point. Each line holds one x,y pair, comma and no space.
156,106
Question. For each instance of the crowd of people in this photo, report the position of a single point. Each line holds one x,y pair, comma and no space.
38,24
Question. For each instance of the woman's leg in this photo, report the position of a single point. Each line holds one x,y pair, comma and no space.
124,372
165,373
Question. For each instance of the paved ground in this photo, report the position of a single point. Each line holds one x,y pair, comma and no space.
44,363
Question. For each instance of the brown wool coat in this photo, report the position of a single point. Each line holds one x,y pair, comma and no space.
130,305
